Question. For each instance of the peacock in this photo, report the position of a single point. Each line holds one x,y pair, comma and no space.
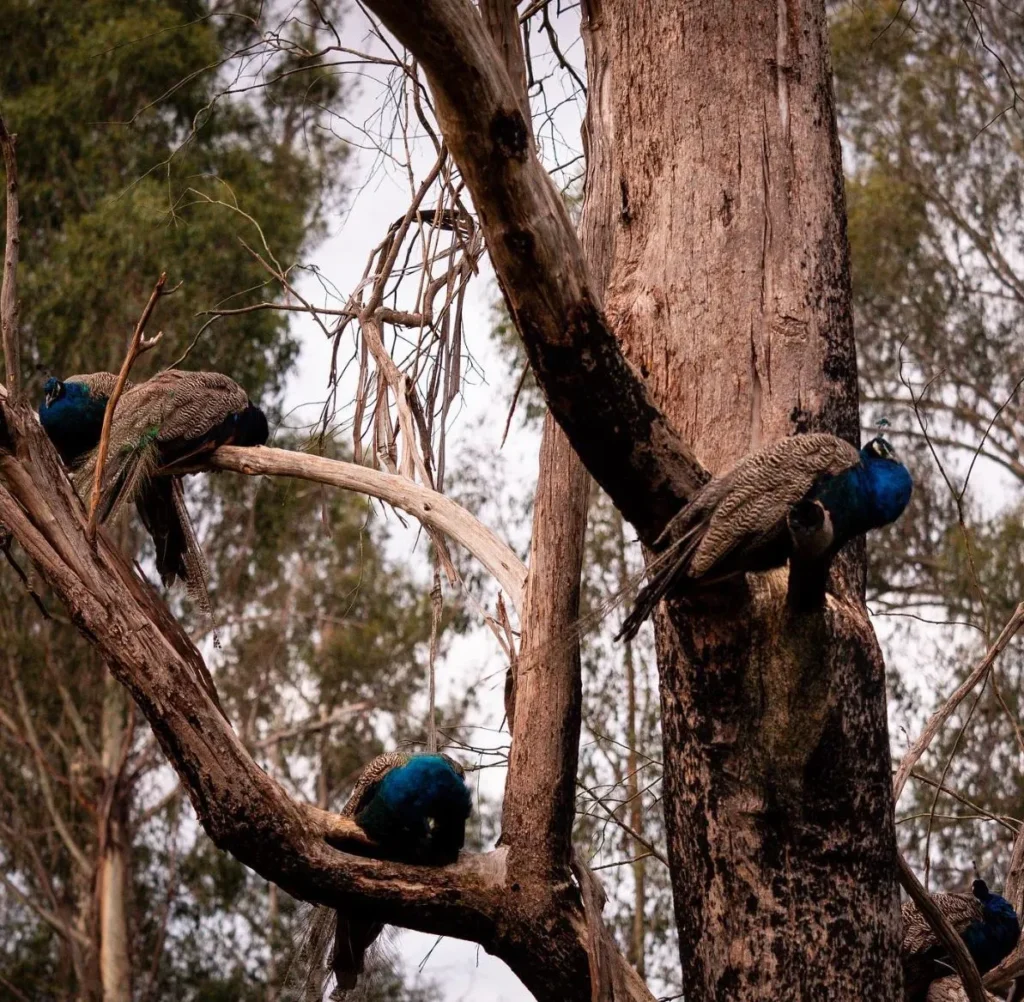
806,495
72,412
986,922
174,418
415,808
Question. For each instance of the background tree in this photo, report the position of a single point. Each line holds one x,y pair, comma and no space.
929,107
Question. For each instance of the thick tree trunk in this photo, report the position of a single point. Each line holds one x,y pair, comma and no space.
730,292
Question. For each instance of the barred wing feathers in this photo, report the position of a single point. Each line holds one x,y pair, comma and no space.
740,509
960,909
180,406
760,490
952,990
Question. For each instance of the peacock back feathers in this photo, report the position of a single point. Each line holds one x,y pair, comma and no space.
173,417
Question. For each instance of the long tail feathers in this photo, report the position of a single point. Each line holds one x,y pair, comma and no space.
352,938
198,572
156,506
125,474
130,476
646,602
178,553
669,569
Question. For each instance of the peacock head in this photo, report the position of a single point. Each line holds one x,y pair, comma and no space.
980,890
879,448
53,390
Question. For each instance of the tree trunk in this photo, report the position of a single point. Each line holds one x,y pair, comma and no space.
637,935
720,178
112,873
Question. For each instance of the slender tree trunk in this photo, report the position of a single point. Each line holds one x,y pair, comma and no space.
636,951
716,168
273,902
112,874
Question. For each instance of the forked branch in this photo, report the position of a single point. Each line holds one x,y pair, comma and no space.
245,811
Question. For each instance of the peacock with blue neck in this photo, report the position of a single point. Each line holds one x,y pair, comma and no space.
72,410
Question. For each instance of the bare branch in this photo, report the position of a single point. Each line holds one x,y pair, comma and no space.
59,925
624,440
539,793
136,347
306,727
431,508
42,775
9,306
943,713
940,925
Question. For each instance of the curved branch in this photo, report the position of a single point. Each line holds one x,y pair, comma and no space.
311,853
431,508
595,394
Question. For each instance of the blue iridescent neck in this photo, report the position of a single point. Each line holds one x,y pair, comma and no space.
887,486
72,417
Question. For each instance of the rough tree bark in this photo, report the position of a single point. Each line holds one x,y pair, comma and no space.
730,293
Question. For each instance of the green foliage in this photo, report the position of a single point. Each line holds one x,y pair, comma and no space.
135,159
133,162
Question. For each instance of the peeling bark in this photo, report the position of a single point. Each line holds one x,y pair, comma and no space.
112,877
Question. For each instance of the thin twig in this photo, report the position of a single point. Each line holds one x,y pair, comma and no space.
9,307
943,713
963,800
138,346
515,400
436,597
